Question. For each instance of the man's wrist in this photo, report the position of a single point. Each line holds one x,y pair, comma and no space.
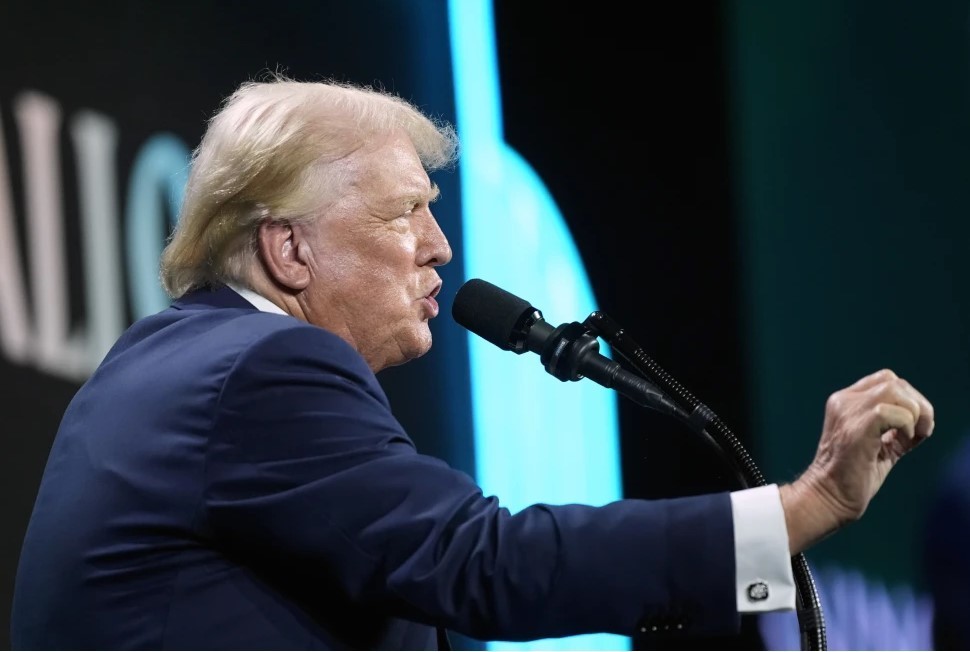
809,517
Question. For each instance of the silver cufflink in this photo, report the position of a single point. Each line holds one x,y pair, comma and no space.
758,591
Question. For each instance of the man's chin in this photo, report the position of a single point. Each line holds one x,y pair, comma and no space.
421,348
412,350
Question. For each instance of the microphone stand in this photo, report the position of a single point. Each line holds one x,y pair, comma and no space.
575,340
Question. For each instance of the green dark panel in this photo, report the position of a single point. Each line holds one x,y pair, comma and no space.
851,141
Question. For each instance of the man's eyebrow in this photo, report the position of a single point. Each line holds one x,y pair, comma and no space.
415,198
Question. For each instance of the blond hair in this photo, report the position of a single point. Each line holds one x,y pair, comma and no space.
265,154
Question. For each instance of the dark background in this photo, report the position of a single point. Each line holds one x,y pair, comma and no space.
624,114
769,197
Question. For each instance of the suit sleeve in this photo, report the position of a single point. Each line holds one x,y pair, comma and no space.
308,470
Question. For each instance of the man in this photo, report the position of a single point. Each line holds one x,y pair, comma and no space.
232,476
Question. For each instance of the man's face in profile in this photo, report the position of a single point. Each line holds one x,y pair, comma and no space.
373,252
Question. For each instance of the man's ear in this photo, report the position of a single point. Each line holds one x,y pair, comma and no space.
279,250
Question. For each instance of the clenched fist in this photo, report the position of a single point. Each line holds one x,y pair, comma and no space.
868,427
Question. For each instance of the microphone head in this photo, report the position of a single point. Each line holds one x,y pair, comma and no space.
494,314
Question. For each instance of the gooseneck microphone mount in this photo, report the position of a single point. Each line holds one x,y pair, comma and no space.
570,352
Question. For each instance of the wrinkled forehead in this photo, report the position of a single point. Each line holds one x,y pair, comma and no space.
388,163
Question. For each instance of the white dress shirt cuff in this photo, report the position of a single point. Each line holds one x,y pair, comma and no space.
765,581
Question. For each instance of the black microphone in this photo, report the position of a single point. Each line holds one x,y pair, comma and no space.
568,352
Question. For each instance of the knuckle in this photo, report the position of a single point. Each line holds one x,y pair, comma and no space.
887,375
834,402
887,390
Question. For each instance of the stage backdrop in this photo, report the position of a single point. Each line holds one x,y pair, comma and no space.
769,197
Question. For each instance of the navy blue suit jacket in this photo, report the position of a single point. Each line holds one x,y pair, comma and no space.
230,478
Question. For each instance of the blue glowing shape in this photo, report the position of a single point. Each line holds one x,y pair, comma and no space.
159,174
537,440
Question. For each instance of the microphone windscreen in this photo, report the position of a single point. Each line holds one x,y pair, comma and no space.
489,311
